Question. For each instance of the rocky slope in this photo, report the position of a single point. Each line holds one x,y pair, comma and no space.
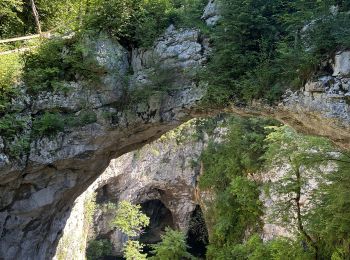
38,190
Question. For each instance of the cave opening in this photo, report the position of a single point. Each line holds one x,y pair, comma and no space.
160,218
197,236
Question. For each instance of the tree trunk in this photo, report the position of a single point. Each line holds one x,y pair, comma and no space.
299,216
36,16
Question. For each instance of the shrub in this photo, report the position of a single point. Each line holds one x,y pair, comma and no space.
10,73
132,251
129,219
139,22
10,126
48,124
262,48
173,246
227,171
97,249
56,61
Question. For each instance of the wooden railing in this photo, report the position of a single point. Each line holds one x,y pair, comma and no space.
23,38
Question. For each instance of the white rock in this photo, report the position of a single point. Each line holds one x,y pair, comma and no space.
211,13
342,64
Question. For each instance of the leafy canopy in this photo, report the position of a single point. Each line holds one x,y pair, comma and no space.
129,219
172,247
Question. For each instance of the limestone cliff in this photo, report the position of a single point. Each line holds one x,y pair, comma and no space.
166,170
38,189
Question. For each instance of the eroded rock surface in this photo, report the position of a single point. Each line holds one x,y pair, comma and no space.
165,170
211,13
38,190
321,107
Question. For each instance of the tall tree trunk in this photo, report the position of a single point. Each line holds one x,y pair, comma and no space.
299,215
36,16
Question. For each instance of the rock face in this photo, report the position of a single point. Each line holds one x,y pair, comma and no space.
38,191
164,170
211,13
342,64
321,107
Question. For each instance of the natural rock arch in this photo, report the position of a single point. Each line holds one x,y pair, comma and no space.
38,190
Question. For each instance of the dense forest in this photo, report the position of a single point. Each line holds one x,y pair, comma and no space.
260,48
235,171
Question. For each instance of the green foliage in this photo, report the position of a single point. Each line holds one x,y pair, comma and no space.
97,249
330,219
56,61
161,79
139,22
325,224
276,249
48,124
89,207
304,154
129,219
16,17
263,47
9,19
132,251
15,140
227,167
10,126
19,146
84,117
172,247
321,221
239,156
10,73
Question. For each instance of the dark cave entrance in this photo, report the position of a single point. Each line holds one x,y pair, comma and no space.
160,218
197,236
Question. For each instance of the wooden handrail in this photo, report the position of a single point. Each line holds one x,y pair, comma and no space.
46,34
20,50
24,38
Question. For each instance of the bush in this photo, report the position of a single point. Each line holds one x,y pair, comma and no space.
16,141
227,171
262,48
56,61
97,249
10,74
132,251
48,124
139,23
173,246
129,219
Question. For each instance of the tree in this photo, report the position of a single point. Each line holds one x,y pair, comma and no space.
132,251
9,19
302,158
36,16
98,248
228,173
330,218
129,219
172,247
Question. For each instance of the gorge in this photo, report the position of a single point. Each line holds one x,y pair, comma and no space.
113,146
